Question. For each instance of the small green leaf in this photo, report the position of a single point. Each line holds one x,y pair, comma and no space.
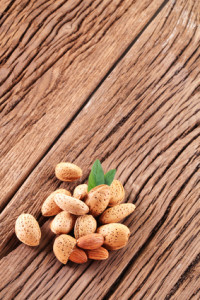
96,176
98,172
91,181
109,176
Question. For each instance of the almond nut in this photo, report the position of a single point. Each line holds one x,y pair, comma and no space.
116,213
98,254
28,230
66,171
62,223
98,199
63,247
115,235
84,225
71,204
49,207
78,256
117,193
81,191
90,241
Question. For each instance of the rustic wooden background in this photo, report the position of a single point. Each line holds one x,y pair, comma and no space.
117,80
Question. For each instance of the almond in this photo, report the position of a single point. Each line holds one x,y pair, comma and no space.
116,213
90,241
117,193
66,171
71,204
78,256
49,207
28,230
98,199
115,235
63,223
98,254
63,247
84,225
81,191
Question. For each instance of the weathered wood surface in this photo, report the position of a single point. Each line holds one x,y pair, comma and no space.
144,119
49,48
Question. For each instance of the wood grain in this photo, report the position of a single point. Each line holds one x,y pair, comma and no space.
145,120
48,49
188,285
170,244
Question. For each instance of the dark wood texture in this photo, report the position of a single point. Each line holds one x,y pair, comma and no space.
138,109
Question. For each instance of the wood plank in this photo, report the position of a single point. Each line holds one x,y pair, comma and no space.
51,58
188,286
144,119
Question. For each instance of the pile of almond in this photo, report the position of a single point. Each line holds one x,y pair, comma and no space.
79,214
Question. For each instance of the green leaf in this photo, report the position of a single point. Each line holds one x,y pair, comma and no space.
109,176
91,182
96,176
98,172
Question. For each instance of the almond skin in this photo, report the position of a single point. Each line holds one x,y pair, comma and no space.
98,254
115,235
63,247
81,191
63,223
91,241
117,193
49,207
98,199
66,171
28,230
84,225
116,213
78,256
71,204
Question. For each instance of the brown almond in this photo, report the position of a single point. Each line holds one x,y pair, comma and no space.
49,207
98,254
115,235
90,241
28,230
81,191
63,247
116,213
117,193
98,199
84,225
78,256
66,171
63,223
71,204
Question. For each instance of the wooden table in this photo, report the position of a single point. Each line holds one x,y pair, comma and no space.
114,80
